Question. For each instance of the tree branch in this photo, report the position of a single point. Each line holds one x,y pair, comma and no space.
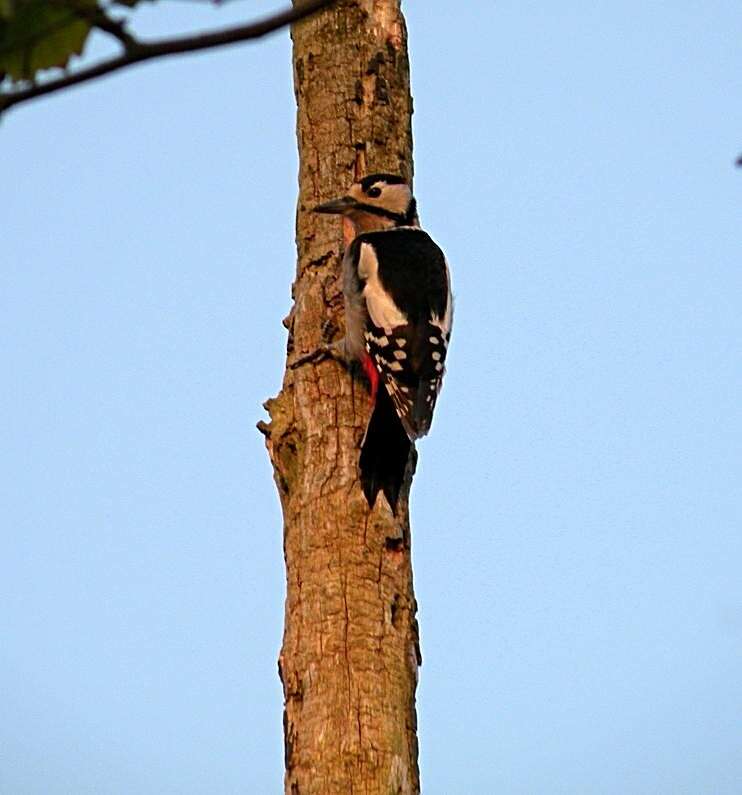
137,52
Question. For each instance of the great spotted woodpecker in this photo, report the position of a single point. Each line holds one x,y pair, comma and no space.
398,314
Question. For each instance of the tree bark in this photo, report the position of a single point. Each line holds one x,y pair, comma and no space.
350,650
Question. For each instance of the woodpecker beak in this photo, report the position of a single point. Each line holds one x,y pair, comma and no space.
337,206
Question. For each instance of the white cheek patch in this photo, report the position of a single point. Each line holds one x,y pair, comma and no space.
383,311
397,198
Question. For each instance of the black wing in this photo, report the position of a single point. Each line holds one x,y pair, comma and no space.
411,357
411,361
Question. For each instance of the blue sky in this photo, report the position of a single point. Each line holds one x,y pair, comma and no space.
576,512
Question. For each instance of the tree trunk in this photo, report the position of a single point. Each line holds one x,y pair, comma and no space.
350,648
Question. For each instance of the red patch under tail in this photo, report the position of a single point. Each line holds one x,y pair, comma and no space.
372,374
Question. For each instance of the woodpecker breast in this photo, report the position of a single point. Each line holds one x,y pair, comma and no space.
399,309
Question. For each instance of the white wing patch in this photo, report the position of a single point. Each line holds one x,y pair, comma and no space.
384,313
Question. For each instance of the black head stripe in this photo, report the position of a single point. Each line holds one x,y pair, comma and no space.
390,179
399,218
411,214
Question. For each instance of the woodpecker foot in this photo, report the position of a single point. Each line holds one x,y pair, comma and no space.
335,350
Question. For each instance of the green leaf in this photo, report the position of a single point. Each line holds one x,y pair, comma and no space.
6,8
39,35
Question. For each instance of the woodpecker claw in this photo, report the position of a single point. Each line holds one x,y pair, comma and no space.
334,351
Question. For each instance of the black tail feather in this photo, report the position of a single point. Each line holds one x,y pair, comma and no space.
384,453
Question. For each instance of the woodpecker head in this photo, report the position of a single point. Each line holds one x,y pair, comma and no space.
378,201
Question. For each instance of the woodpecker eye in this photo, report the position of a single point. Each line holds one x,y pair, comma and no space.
373,193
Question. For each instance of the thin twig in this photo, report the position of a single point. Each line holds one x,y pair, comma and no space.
144,51
98,18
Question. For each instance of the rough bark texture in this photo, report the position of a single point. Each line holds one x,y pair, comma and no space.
350,649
